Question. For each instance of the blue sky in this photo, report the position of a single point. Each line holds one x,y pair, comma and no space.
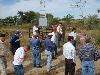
59,8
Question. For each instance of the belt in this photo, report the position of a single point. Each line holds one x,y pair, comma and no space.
48,49
87,60
18,65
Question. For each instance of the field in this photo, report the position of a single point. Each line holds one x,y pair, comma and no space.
57,64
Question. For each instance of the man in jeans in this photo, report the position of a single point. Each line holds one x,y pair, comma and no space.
70,55
88,54
35,43
15,41
48,51
19,58
3,61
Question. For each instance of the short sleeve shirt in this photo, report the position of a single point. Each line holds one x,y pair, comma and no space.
19,56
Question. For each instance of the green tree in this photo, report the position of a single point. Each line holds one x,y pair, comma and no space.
91,21
49,18
68,20
55,21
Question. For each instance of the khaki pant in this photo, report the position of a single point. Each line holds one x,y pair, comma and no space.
2,67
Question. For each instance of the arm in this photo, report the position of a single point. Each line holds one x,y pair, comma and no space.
80,54
14,40
96,54
64,51
21,57
74,55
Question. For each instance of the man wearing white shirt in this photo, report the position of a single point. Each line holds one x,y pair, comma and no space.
35,30
53,39
59,31
74,34
19,58
69,54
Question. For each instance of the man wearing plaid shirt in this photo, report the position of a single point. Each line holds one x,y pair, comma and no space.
88,54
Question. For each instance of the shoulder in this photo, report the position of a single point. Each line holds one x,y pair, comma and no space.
89,45
1,48
71,46
21,49
58,26
66,44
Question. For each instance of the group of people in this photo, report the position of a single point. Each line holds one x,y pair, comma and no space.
50,48
17,51
87,53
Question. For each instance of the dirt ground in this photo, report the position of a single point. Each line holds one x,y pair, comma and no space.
57,65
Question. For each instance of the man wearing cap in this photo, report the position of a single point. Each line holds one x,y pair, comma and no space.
74,34
35,43
48,51
15,41
3,61
53,39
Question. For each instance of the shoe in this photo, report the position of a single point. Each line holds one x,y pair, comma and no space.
34,65
54,58
48,71
39,67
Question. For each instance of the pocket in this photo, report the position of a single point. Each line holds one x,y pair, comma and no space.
4,61
71,61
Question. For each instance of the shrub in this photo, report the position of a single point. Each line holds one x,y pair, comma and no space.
97,39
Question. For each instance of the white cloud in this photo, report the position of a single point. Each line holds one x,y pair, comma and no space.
56,7
22,5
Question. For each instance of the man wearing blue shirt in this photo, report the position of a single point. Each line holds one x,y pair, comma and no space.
15,42
48,51
35,43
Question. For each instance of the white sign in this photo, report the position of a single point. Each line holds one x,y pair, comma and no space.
42,20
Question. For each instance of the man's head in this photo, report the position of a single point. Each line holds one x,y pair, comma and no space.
50,35
2,36
70,38
18,33
35,36
26,48
60,24
88,39
74,29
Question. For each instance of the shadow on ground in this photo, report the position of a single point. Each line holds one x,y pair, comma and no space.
78,71
11,73
59,52
28,67
97,73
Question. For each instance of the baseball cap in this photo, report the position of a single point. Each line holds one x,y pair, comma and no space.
18,32
50,34
2,34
